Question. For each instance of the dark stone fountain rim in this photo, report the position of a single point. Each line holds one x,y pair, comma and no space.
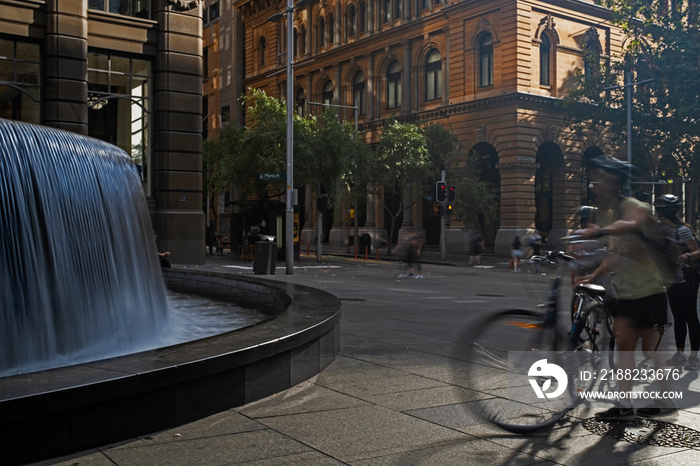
304,321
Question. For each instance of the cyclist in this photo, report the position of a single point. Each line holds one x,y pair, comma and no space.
682,295
640,272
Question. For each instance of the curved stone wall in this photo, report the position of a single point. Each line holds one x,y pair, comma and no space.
70,409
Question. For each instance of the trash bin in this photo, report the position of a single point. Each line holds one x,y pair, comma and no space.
265,256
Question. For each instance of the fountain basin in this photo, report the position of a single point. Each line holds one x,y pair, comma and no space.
60,411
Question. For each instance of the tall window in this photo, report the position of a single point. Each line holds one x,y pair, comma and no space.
321,39
545,61
386,11
300,102
328,93
331,29
433,76
352,21
362,16
423,4
119,101
214,11
398,6
262,52
19,68
302,40
358,92
137,8
486,61
393,88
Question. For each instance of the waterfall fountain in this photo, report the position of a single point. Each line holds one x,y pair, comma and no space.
80,282
79,275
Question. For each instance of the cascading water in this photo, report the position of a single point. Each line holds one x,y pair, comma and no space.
79,274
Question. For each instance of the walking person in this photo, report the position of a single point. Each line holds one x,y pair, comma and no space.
516,253
683,293
411,244
477,248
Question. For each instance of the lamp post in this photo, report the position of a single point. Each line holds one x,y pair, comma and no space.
289,191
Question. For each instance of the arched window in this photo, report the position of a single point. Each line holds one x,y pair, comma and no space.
328,93
486,61
352,20
331,28
302,40
386,11
358,92
262,52
433,76
545,61
321,38
300,102
393,86
362,16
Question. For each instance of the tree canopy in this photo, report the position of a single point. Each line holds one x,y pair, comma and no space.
661,52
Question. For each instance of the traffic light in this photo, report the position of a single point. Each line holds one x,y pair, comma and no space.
441,191
451,191
448,210
441,209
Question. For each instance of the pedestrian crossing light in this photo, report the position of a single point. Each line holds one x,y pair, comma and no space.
441,191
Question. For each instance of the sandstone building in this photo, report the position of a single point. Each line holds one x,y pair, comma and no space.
493,71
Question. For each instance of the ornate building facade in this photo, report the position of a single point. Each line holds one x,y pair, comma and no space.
125,71
492,71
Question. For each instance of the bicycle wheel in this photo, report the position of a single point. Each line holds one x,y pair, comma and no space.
505,353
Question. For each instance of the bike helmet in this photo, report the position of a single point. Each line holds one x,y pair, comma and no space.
667,204
622,170
586,215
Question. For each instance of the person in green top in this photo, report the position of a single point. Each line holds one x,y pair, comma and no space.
641,273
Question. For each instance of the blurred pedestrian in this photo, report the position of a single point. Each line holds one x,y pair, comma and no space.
476,249
516,253
162,256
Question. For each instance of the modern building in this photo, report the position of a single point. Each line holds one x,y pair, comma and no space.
493,71
125,71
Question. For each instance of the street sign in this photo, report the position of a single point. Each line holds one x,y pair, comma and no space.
272,176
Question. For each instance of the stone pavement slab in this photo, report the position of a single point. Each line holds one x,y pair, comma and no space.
397,394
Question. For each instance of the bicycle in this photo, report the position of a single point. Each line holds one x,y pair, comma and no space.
509,367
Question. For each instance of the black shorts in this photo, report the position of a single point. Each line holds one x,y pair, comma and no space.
643,312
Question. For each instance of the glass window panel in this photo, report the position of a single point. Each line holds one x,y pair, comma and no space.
7,70
28,73
141,67
97,77
120,84
120,64
98,61
7,48
96,5
27,51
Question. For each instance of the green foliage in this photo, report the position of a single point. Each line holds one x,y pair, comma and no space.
663,45
402,154
442,145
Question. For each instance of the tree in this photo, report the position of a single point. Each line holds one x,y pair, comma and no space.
662,49
402,157
472,196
